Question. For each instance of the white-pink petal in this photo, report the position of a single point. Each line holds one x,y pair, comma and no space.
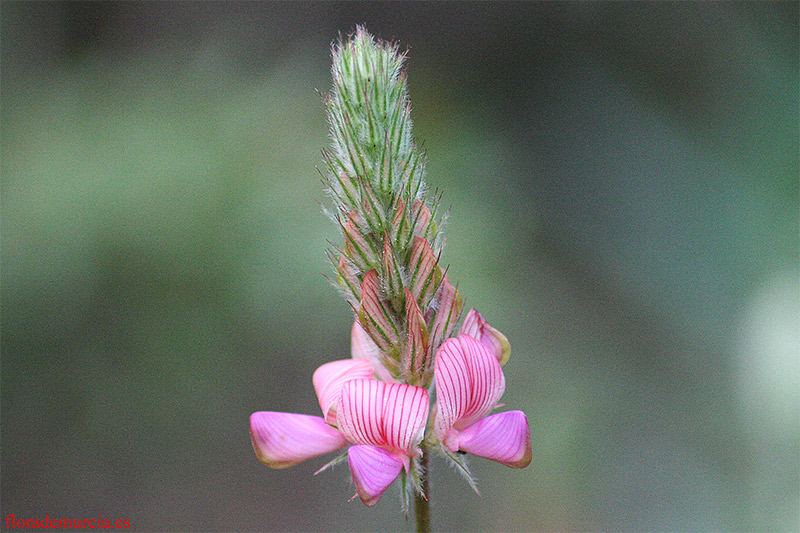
373,470
281,440
362,347
391,415
472,324
329,378
502,437
469,383
476,327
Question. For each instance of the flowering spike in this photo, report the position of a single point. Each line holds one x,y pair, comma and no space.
377,402
368,110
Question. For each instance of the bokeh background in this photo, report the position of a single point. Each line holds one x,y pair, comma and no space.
622,180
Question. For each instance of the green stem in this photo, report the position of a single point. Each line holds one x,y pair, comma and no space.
422,506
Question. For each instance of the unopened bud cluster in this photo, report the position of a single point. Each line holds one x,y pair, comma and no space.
388,267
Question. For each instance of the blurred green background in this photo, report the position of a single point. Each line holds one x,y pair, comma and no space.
623,186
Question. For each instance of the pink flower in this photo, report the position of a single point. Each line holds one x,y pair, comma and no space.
469,384
387,422
384,423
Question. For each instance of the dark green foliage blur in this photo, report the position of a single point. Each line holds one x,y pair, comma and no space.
622,181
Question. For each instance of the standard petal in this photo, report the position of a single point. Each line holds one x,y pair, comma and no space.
373,470
476,327
361,412
285,439
392,415
329,378
405,414
502,437
469,383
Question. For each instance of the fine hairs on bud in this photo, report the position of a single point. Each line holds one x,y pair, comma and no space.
369,111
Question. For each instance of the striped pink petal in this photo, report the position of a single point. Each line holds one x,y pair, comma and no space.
329,378
373,470
285,439
469,383
405,414
391,415
476,327
502,437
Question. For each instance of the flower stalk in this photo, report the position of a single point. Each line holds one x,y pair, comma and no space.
405,334
422,506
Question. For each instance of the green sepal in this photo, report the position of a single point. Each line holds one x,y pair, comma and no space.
423,272
346,277
335,461
392,276
416,356
358,248
375,315
459,462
